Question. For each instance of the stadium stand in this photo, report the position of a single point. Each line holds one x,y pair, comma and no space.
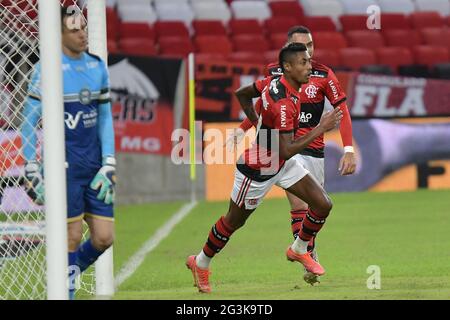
254,30
330,8
245,26
247,9
357,6
394,56
443,7
209,27
214,10
320,23
397,6
355,58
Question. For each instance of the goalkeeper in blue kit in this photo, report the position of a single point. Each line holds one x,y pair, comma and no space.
89,141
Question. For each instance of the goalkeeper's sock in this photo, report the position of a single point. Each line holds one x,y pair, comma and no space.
311,225
87,255
72,276
217,239
297,217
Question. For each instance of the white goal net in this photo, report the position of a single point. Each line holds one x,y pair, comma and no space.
22,223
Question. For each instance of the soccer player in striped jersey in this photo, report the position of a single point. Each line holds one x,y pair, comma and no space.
322,84
89,143
270,162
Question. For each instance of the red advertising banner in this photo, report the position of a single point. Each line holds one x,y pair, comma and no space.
143,95
381,96
215,84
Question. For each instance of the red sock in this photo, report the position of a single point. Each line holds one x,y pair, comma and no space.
311,226
297,217
218,237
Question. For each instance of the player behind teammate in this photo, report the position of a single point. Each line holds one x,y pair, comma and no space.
322,84
89,143
269,161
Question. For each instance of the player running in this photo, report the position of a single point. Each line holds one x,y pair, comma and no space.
270,162
322,84
89,141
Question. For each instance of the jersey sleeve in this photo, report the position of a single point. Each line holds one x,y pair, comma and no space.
105,91
105,127
32,112
284,116
333,90
260,84
34,87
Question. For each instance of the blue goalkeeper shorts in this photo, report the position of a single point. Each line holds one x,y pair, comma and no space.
82,200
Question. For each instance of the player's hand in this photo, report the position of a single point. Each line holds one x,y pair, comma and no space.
234,139
34,183
347,165
331,119
105,180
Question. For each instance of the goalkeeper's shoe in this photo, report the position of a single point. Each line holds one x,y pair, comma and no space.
34,183
105,181
309,277
201,276
306,260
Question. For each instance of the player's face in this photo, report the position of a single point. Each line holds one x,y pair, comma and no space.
74,34
306,39
299,67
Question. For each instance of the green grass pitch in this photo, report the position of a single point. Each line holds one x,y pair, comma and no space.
406,234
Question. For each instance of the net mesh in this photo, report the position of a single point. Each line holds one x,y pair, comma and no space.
22,223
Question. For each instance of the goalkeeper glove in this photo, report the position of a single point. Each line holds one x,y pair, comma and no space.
105,180
34,184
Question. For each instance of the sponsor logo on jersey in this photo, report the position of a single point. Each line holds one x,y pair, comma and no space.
334,89
85,96
311,91
283,116
277,71
89,119
305,117
71,121
317,74
273,86
92,64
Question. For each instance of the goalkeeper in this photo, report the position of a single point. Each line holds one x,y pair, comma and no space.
89,141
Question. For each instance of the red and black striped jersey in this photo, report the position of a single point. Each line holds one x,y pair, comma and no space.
279,113
322,84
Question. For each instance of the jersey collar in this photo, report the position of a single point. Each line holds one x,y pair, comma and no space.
289,87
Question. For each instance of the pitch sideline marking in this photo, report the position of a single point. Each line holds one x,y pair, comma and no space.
136,259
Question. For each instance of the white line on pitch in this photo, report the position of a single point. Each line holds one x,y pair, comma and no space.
136,260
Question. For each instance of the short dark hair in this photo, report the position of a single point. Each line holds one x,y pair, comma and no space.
297,29
288,50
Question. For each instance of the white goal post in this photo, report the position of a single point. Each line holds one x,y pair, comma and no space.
33,238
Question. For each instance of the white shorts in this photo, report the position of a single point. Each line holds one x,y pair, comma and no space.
251,193
316,166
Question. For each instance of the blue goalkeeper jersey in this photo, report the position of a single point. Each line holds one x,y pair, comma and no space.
89,134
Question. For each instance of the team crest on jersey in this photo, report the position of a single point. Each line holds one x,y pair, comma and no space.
311,91
85,96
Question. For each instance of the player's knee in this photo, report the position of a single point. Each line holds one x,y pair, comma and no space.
103,241
323,208
73,239
327,205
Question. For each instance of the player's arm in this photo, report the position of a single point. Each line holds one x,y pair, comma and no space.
290,147
337,98
105,178
245,97
32,111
